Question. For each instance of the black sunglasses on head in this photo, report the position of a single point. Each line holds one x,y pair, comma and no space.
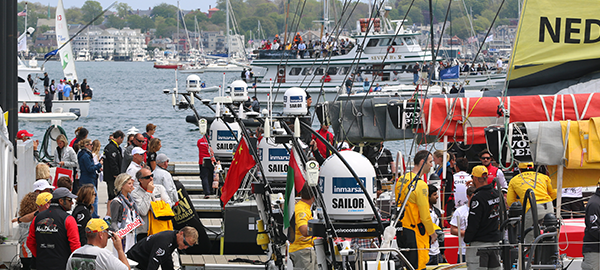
147,176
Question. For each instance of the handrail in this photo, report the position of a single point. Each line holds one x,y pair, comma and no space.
372,250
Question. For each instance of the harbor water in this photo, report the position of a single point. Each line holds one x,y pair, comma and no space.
130,94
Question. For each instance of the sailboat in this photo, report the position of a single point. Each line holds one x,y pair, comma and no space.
556,49
231,63
61,109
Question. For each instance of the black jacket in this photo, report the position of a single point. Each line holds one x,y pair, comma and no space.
186,215
112,161
82,215
484,216
592,224
154,251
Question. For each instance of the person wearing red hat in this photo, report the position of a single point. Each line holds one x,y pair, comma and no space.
23,135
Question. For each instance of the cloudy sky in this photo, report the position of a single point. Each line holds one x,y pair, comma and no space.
145,4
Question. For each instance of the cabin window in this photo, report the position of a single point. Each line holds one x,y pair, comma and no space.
398,42
384,42
403,68
21,80
344,70
409,41
372,42
319,71
295,71
332,70
307,71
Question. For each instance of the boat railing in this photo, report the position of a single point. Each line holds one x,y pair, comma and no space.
7,177
361,252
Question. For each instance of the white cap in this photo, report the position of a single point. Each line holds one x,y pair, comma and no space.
41,185
137,150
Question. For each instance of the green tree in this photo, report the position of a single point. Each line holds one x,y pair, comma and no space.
218,18
74,15
115,22
262,10
164,10
90,10
189,19
144,23
123,9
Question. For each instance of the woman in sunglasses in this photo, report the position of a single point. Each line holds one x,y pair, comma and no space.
124,211
88,169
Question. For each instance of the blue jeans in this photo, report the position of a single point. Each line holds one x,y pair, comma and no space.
95,213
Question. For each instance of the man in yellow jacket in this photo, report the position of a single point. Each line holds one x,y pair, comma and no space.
302,250
542,187
417,232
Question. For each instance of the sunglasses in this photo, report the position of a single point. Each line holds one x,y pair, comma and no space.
147,176
139,140
185,242
486,158
69,199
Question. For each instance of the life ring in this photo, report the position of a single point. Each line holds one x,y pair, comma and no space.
391,49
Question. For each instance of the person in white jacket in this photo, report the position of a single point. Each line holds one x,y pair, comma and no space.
146,193
65,157
164,177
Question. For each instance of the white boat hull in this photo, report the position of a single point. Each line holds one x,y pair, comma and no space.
47,117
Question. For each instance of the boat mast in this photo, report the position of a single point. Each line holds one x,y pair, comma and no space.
177,44
227,29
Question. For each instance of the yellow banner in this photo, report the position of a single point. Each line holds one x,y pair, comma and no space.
554,32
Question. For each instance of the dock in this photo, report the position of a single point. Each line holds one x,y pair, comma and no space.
210,213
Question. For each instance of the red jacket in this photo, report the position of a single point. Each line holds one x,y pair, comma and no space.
203,149
320,145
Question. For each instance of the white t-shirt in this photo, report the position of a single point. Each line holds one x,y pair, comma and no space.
93,257
462,214
434,249
132,171
460,188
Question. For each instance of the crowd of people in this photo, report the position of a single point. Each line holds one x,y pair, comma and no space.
64,90
59,223
325,47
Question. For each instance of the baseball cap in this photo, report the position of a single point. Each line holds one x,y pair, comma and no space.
62,192
96,225
23,133
161,158
43,198
479,170
41,185
526,165
137,150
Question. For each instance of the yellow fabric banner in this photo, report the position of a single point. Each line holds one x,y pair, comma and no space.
554,32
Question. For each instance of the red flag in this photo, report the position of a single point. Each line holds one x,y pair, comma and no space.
241,164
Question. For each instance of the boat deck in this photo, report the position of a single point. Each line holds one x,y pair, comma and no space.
223,261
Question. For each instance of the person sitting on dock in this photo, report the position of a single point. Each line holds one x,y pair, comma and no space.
36,108
97,234
24,108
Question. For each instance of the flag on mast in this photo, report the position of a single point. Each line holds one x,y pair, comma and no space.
22,13
294,184
241,164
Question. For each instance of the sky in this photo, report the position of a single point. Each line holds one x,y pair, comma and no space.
145,4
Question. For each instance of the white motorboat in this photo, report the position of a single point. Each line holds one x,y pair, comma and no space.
27,93
99,59
47,117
